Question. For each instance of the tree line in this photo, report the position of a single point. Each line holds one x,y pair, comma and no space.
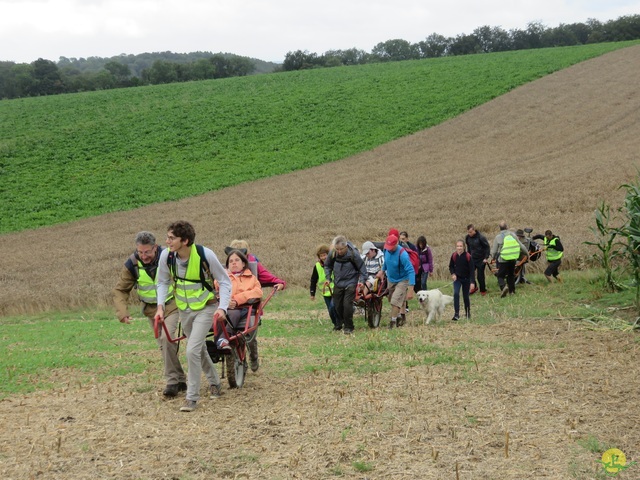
484,39
45,77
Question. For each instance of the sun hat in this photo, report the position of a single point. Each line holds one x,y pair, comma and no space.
520,232
391,242
366,246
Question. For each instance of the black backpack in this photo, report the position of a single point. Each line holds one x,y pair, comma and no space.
205,271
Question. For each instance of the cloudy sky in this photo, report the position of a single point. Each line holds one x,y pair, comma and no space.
50,29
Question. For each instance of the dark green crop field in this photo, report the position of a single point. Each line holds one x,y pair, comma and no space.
67,157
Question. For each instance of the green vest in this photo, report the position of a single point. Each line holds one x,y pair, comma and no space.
189,291
552,253
322,278
510,248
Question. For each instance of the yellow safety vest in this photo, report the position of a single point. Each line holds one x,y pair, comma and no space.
510,248
552,253
323,278
189,291
147,286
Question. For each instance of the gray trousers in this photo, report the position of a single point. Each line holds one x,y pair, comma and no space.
173,372
196,326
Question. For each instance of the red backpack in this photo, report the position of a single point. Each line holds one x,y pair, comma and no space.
414,257
455,256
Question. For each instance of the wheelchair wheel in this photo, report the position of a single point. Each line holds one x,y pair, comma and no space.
373,312
236,369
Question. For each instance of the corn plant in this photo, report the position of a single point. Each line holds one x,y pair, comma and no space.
631,233
608,244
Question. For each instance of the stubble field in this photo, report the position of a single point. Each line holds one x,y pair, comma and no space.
540,156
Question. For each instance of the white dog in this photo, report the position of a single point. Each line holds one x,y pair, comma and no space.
433,303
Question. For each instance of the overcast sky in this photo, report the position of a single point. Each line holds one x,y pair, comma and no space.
50,29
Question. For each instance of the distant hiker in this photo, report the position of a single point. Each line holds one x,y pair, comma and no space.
403,241
480,250
318,280
139,273
191,269
345,264
554,250
400,279
462,269
506,250
426,261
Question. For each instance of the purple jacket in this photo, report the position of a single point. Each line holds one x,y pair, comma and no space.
426,260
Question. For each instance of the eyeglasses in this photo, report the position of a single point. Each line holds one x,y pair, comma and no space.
146,253
171,238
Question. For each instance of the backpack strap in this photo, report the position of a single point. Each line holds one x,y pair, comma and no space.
132,265
205,270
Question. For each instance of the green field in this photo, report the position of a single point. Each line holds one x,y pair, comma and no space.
68,157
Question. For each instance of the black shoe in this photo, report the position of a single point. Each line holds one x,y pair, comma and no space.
337,329
348,331
468,315
402,319
182,386
171,390
455,318
505,291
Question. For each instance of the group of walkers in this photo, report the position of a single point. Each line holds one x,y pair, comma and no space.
176,286
341,271
185,284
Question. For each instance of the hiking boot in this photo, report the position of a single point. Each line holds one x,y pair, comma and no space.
188,406
455,318
223,344
337,329
348,331
214,392
253,355
392,323
182,386
505,290
402,319
171,390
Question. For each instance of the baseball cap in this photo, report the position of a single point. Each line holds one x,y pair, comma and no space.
391,242
394,231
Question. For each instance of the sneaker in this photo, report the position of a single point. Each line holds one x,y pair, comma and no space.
188,406
483,293
254,363
402,319
474,291
455,318
392,323
337,329
348,331
223,344
214,392
505,290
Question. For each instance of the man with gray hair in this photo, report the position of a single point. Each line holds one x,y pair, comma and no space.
506,250
348,270
139,273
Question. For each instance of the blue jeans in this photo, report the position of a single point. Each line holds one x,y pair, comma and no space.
423,280
333,315
464,284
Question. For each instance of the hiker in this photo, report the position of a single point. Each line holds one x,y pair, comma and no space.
139,273
463,270
192,269
506,250
346,266
426,261
373,260
318,279
480,251
554,251
265,277
400,279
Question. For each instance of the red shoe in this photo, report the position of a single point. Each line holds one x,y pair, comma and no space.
483,293
473,291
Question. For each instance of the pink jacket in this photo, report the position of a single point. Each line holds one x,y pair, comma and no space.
266,278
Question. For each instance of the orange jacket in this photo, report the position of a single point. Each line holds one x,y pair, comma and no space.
244,286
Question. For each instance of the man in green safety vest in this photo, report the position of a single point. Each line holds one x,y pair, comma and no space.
554,250
191,269
139,273
505,251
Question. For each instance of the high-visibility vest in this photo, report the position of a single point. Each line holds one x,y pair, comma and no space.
189,291
552,253
510,248
147,286
322,278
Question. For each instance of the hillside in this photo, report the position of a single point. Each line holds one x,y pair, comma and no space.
542,155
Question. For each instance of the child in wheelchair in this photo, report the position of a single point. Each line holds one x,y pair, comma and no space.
245,290
373,259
